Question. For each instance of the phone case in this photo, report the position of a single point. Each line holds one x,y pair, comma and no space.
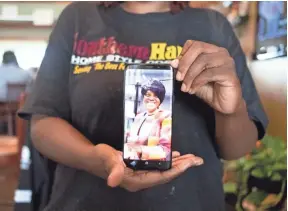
148,116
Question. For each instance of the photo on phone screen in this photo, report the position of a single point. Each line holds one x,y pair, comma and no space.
148,115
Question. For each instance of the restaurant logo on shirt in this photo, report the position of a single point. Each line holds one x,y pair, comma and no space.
108,54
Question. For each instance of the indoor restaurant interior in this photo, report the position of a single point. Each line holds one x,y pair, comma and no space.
255,182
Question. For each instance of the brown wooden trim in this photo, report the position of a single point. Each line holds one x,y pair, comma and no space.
24,24
36,2
24,38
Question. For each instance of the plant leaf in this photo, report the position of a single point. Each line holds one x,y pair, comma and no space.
258,173
270,200
230,187
256,197
279,166
276,177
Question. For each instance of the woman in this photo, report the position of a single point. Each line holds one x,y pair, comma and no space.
150,135
10,72
77,105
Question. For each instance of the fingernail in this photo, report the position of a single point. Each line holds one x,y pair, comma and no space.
198,161
179,76
175,63
190,41
191,91
183,88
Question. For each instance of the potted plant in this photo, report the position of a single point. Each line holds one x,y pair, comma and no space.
261,175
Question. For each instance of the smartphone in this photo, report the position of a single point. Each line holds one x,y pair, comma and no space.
148,116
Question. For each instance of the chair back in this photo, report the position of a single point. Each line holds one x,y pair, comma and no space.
14,91
21,125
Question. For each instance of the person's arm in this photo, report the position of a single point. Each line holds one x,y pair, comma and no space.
236,134
164,145
217,73
165,135
59,141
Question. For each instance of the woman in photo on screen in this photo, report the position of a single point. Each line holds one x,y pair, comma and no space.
149,137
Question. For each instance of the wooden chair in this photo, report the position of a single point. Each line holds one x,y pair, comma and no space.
9,107
12,145
21,125
10,154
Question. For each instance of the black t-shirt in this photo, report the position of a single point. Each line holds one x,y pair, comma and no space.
80,80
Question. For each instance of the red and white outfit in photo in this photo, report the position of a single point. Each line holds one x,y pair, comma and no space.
146,127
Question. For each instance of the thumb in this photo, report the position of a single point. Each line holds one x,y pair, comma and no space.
175,63
115,171
116,176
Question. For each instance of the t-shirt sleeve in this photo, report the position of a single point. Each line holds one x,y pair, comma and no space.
249,92
50,93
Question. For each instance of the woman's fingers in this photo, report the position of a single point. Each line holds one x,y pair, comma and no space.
182,157
116,175
197,161
175,154
113,165
138,180
179,167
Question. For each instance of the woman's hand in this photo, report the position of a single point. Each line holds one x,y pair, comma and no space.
106,162
209,72
134,181
115,171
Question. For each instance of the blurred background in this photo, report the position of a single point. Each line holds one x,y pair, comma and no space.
258,181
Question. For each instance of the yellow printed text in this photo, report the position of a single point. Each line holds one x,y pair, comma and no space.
99,66
110,66
121,66
160,51
79,70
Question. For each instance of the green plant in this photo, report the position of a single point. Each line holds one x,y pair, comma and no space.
266,161
270,156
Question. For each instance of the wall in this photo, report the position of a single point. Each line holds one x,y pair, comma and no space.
24,30
270,78
271,81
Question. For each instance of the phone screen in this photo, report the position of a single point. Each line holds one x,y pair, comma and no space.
148,113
